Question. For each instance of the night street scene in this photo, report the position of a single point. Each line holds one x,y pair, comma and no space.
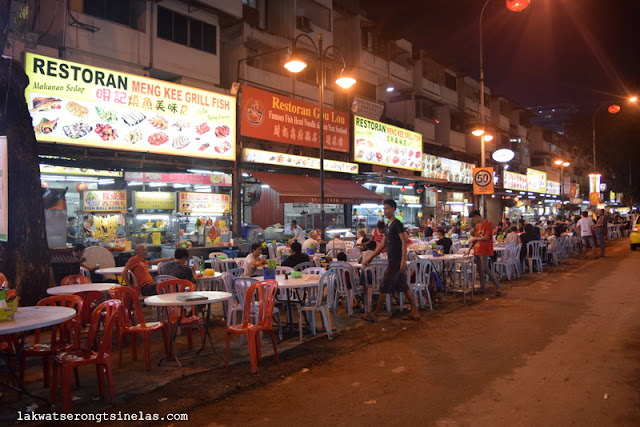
320,212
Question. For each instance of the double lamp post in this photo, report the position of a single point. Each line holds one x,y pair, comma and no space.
295,64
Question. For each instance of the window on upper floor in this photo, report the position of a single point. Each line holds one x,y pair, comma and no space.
184,30
450,81
426,110
487,100
250,3
318,14
372,42
457,122
504,108
126,12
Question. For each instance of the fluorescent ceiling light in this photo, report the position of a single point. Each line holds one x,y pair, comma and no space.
158,184
264,186
135,184
106,181
181,185
200,171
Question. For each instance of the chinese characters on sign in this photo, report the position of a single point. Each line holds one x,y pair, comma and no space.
161,200
536,180
378,143
515,181
274,117
203,202
268,157
78,104
104,201
553,188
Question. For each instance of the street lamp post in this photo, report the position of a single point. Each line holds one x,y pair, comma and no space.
515,6
562,165
296,64
613,109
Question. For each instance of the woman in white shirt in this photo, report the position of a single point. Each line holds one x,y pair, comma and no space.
254,261
512,237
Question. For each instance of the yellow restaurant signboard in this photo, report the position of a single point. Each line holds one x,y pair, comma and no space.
203,202
161,200
271,158
553,188
104,201
385,145
536,181
73,103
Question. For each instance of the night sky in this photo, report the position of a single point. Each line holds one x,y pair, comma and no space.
556,51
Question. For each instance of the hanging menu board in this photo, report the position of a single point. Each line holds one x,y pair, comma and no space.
203,202
515,181
160,200
451,170
381,144
78,104
536,180
104,201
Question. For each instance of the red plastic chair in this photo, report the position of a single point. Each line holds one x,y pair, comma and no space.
90,300
75,279
71,360
266,293
64,336
190,318
132,323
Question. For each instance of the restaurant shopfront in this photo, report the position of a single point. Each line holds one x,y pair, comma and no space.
132,159
529,196
280,163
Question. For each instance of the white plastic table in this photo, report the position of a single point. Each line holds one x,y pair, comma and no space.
72,289
28,319
170,300
205,282
118,270
292,285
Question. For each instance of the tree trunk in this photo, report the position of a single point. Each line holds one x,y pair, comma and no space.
25,257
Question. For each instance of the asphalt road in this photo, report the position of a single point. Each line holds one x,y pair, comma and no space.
560,351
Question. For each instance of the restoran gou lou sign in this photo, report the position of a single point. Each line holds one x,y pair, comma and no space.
77,104
274,117
384,145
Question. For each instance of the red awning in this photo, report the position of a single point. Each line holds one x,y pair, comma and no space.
306,189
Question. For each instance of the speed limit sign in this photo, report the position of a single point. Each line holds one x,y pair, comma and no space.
482,180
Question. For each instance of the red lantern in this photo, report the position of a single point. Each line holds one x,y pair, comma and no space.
411,184
402,189
518,5
394,182
420,190
614,108
82,186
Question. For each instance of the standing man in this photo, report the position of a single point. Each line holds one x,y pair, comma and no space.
394,279
483,242
585,228
602,228
139,267
72,231
298,232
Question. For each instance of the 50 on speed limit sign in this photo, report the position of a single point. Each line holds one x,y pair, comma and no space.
482,180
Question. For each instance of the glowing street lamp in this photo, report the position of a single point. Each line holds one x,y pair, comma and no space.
612,109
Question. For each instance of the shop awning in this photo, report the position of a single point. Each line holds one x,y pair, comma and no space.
306,189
